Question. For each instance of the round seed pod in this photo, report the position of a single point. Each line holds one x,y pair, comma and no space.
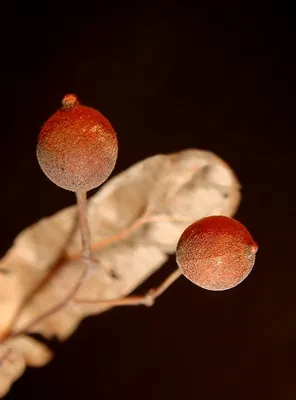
77,147
216,253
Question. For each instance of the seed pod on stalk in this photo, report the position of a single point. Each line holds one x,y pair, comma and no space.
77,147
216,252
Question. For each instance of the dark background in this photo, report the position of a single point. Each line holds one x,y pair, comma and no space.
168,78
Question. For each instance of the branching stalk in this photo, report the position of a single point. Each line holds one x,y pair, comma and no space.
147,299
87,258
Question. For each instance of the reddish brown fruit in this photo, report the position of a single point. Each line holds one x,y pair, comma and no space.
77,147
216,253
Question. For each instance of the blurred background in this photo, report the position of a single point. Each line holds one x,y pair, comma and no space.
168,77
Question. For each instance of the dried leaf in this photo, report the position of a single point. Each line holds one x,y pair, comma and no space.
135,222
15,355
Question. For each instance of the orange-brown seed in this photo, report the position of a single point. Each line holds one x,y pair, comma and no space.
77,147
216,253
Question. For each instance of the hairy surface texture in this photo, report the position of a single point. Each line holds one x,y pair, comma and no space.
77,147
216,253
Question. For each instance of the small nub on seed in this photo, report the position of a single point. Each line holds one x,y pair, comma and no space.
69,100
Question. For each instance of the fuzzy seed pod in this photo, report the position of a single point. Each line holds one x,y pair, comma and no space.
216,253
77,147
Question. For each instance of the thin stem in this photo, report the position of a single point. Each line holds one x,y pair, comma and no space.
54,309
86,255
126,232
84,228
147,299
